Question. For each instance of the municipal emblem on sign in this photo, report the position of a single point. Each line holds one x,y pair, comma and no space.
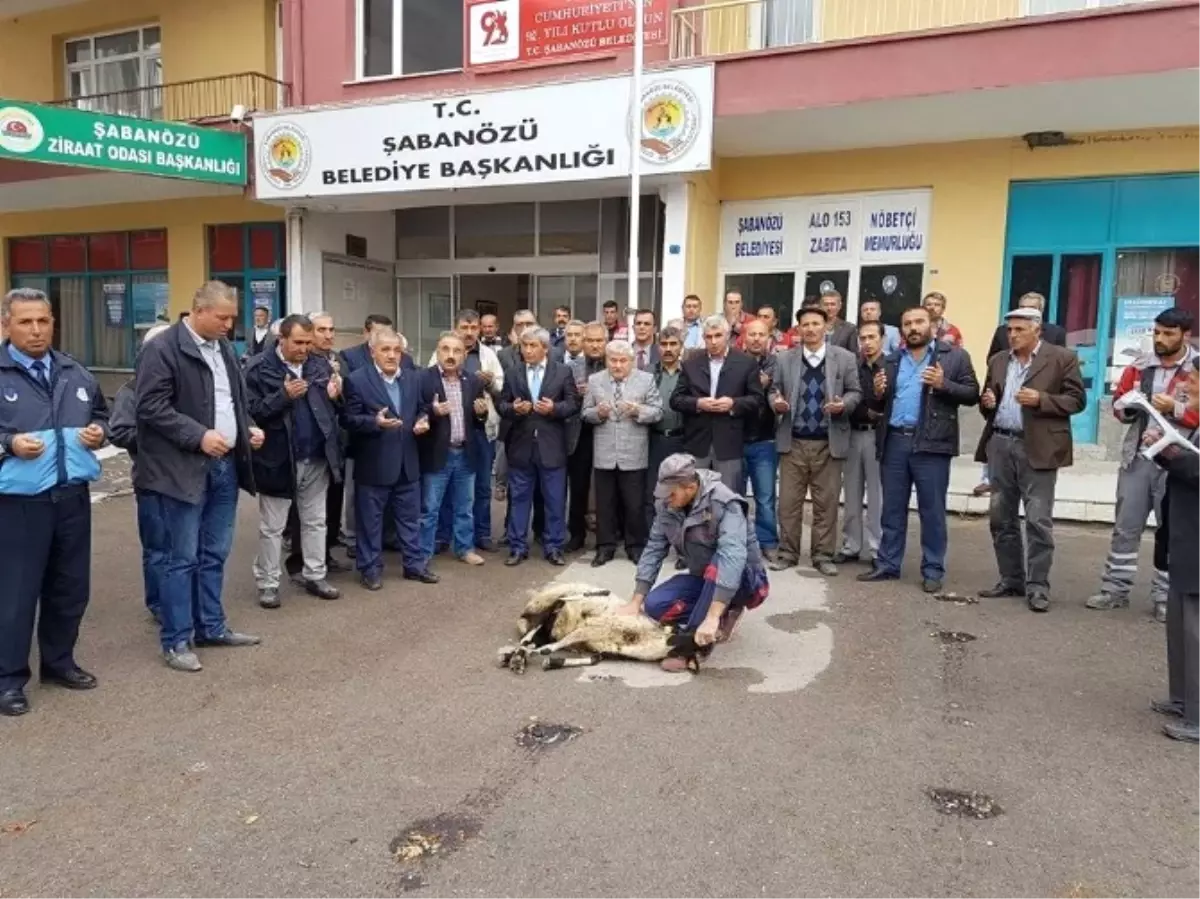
670,121
1167,284
20,130
284,156
889,284
827,286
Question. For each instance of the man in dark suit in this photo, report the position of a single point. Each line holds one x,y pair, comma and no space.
457,406
580,444
384,417
839,332
262,330
1183,597
352,359
1051,333
539,396
645,343
718,393
194,443
1029,395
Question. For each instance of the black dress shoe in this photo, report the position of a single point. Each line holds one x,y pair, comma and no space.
351,552
556,558
515,559
877,574
1000,590
71,678
486,546
634,555
425,577
931,585
13,703
372,582
336,566
1038,602
840,558
603,557
574,545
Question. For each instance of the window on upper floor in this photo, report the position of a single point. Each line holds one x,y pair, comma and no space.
119,72
408,37
1048,7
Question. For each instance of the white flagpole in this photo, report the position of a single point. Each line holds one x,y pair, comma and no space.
635,153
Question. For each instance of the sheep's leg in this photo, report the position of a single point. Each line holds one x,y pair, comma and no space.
553,664
575,638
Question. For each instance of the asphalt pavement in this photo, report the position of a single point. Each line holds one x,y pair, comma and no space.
852,740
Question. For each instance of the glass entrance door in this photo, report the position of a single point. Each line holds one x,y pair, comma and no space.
1072,284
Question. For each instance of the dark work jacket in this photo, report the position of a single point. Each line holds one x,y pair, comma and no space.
122,425
1182,503
548,432
762,426
723,434
866,379
937,424
434,446
274,411
74,401
1051,333
382,458
175,407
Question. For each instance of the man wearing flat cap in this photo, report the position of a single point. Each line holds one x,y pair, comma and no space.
1028,398
706,523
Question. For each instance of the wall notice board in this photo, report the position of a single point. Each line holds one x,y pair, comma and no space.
353,289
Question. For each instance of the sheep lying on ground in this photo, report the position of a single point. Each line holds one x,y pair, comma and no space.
584,619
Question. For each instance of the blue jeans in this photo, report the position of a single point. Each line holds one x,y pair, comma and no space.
152,533
762,468
451,488
196,540
900,471
481,507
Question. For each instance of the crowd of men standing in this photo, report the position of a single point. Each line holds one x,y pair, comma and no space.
368,450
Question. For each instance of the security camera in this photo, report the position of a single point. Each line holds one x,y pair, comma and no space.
237,115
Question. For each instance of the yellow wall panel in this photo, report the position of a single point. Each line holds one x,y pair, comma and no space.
200,39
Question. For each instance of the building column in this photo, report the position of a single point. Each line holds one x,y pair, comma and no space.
674,248
295,262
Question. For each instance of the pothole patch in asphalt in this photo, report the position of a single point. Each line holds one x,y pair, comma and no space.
959,599
537,735
964,803
951,638
428,839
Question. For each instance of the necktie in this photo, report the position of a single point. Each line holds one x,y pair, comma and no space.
39,372
535,383
641,360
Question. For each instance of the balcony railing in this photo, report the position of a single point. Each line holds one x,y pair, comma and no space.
189,101
716,28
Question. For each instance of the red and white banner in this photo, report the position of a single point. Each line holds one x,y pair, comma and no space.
517,32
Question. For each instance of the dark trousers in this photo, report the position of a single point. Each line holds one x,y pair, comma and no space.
579,477
661,446
46,560
1024,562
399,504
901,471
620,498
521,483
1183,652
539,512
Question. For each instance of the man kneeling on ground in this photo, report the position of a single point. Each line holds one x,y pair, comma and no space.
706,522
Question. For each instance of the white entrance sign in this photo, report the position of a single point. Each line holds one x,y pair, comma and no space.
571,131
825,232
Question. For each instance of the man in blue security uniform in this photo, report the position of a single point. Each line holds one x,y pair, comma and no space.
706,523
52,415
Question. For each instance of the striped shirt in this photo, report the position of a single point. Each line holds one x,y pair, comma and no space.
458,425
1008,412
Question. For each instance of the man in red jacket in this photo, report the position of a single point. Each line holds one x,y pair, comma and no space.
1162,377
